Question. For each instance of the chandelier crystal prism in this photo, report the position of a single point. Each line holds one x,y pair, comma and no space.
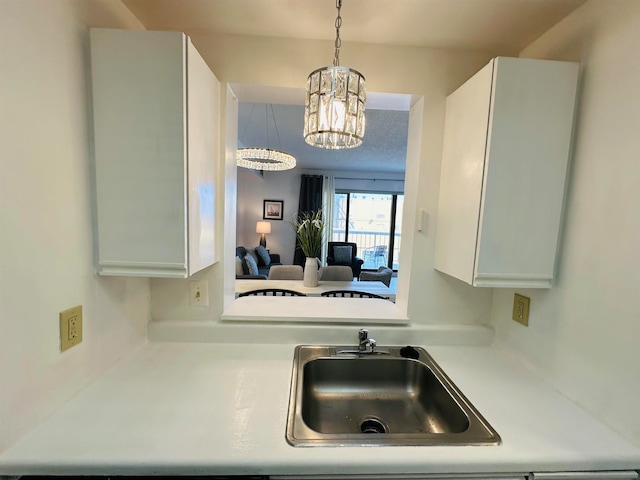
335,103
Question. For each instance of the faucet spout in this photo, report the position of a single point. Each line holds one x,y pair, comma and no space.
365,346
364,342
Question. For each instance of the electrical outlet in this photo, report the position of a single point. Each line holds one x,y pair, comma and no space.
70,327
199,294
521,309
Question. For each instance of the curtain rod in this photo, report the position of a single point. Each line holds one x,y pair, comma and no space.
369,179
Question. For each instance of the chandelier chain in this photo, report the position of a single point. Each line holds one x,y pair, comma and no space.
275,125
338,42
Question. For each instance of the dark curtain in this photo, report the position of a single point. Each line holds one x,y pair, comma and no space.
310,200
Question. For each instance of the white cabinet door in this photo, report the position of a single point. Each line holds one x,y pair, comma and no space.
465,140
505,154
203,110
156,137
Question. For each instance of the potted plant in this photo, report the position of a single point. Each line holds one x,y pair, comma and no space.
309,227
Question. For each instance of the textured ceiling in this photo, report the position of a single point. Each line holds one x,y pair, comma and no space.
384,148
504,26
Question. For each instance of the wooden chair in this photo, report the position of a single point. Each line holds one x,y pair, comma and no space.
351,294
272,292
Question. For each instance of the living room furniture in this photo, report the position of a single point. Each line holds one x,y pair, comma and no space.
263,267
377,288
345,253
383,274
336,273
286,272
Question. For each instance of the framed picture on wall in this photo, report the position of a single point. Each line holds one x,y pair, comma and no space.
272,209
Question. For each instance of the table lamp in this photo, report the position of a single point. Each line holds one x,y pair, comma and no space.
262,228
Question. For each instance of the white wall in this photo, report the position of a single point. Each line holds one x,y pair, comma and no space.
431,73
46,249
583,334
252,190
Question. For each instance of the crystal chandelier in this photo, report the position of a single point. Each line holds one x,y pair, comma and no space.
265,158
334,104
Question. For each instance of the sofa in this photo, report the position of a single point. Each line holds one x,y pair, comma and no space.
262,259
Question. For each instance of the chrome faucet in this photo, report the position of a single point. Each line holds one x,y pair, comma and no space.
364,342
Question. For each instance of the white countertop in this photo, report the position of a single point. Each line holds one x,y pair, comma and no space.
213,409
315,309
377,288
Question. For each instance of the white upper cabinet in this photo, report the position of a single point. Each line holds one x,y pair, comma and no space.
504,164
156,120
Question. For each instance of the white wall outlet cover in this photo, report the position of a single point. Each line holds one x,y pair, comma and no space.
199,294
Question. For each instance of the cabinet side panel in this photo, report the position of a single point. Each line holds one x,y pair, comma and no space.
139,117
203,125
461,175
527,155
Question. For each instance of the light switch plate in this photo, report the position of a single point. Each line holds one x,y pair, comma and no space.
199,294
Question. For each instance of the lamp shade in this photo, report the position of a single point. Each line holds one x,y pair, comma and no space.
263,227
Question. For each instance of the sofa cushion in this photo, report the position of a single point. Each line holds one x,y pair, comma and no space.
343,254
239,269
251,264
263,256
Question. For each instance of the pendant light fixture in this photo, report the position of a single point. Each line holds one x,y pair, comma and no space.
264,158
334,104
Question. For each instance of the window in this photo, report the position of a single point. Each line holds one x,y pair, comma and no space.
372,221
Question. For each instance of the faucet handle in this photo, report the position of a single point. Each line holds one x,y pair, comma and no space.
372,345
363,334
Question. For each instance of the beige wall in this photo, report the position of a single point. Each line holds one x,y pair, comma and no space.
583,334
46,249
430,73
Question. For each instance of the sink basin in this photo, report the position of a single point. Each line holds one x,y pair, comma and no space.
340,397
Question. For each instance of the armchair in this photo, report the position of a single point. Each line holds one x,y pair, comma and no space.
345,253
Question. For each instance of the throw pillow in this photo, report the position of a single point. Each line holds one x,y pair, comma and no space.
251,263
239,269
263,255
342,254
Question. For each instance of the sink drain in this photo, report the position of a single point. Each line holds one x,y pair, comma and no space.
372,425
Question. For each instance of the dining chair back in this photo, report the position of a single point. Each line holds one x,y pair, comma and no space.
272,292
351,294
336,273
286,272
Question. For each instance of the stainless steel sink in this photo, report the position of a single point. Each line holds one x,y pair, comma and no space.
392,396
